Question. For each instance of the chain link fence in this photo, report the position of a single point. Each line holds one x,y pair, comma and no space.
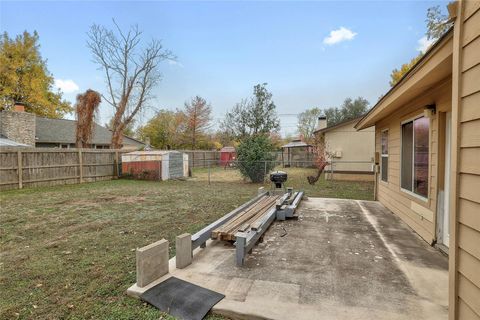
340,179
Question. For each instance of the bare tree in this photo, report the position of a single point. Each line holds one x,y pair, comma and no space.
131,71
320,159
198,117
85,109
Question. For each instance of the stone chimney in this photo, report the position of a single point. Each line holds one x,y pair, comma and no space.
19,107
321,123
18,125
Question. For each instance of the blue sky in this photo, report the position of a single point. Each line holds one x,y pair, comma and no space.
224,48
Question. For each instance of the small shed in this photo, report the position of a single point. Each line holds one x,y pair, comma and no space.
227,155
155,165
297,153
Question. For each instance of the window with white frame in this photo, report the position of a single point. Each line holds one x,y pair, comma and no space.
384,156
415,148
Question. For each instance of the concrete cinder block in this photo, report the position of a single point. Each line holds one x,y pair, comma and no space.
152,262
183,245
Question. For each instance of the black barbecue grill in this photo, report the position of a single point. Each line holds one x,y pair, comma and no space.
278,178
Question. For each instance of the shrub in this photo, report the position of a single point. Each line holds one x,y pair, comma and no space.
255,159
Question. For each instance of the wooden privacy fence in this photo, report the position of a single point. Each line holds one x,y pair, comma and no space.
33,167
202,158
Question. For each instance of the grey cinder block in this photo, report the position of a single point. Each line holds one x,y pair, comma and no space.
152,262
183,245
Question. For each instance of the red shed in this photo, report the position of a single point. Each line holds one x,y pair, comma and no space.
227,154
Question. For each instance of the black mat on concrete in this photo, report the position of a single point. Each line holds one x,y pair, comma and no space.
182,299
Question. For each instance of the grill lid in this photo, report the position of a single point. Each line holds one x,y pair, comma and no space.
278,176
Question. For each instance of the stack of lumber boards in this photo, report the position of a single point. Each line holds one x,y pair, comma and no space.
246,219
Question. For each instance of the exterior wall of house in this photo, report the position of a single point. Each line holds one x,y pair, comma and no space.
350,176
465,201
347,144
419,214
18,126
67,145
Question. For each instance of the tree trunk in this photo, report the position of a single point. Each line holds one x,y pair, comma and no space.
118,125
313,179
117,137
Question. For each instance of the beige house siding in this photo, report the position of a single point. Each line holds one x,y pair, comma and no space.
353,145
419,214
449,76
465,238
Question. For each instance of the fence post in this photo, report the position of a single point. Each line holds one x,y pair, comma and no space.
375,180
115,165
205,160
20,170
265,171
208,173
80,164
331,170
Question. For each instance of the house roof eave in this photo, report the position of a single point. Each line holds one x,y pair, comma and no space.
368,119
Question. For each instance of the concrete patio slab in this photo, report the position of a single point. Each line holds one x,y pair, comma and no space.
342,259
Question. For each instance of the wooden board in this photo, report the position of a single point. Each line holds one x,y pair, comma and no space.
245,219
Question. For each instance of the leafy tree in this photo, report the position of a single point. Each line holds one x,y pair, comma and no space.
131,71
262,116
209,142
223,137
165,129
24,77
334,115
85,110
350,109
437,25
397,74
307,122
253,116
277,141
198,117
255,159
234,126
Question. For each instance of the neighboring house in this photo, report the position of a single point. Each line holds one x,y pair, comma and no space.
297,153
350,151
31,130
428,145
5,142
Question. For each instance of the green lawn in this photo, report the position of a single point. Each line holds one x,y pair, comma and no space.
69,251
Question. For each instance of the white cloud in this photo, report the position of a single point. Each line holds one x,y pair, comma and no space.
67,86
339,35
175,63
424,43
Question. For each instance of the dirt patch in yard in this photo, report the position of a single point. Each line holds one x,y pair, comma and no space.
101,200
